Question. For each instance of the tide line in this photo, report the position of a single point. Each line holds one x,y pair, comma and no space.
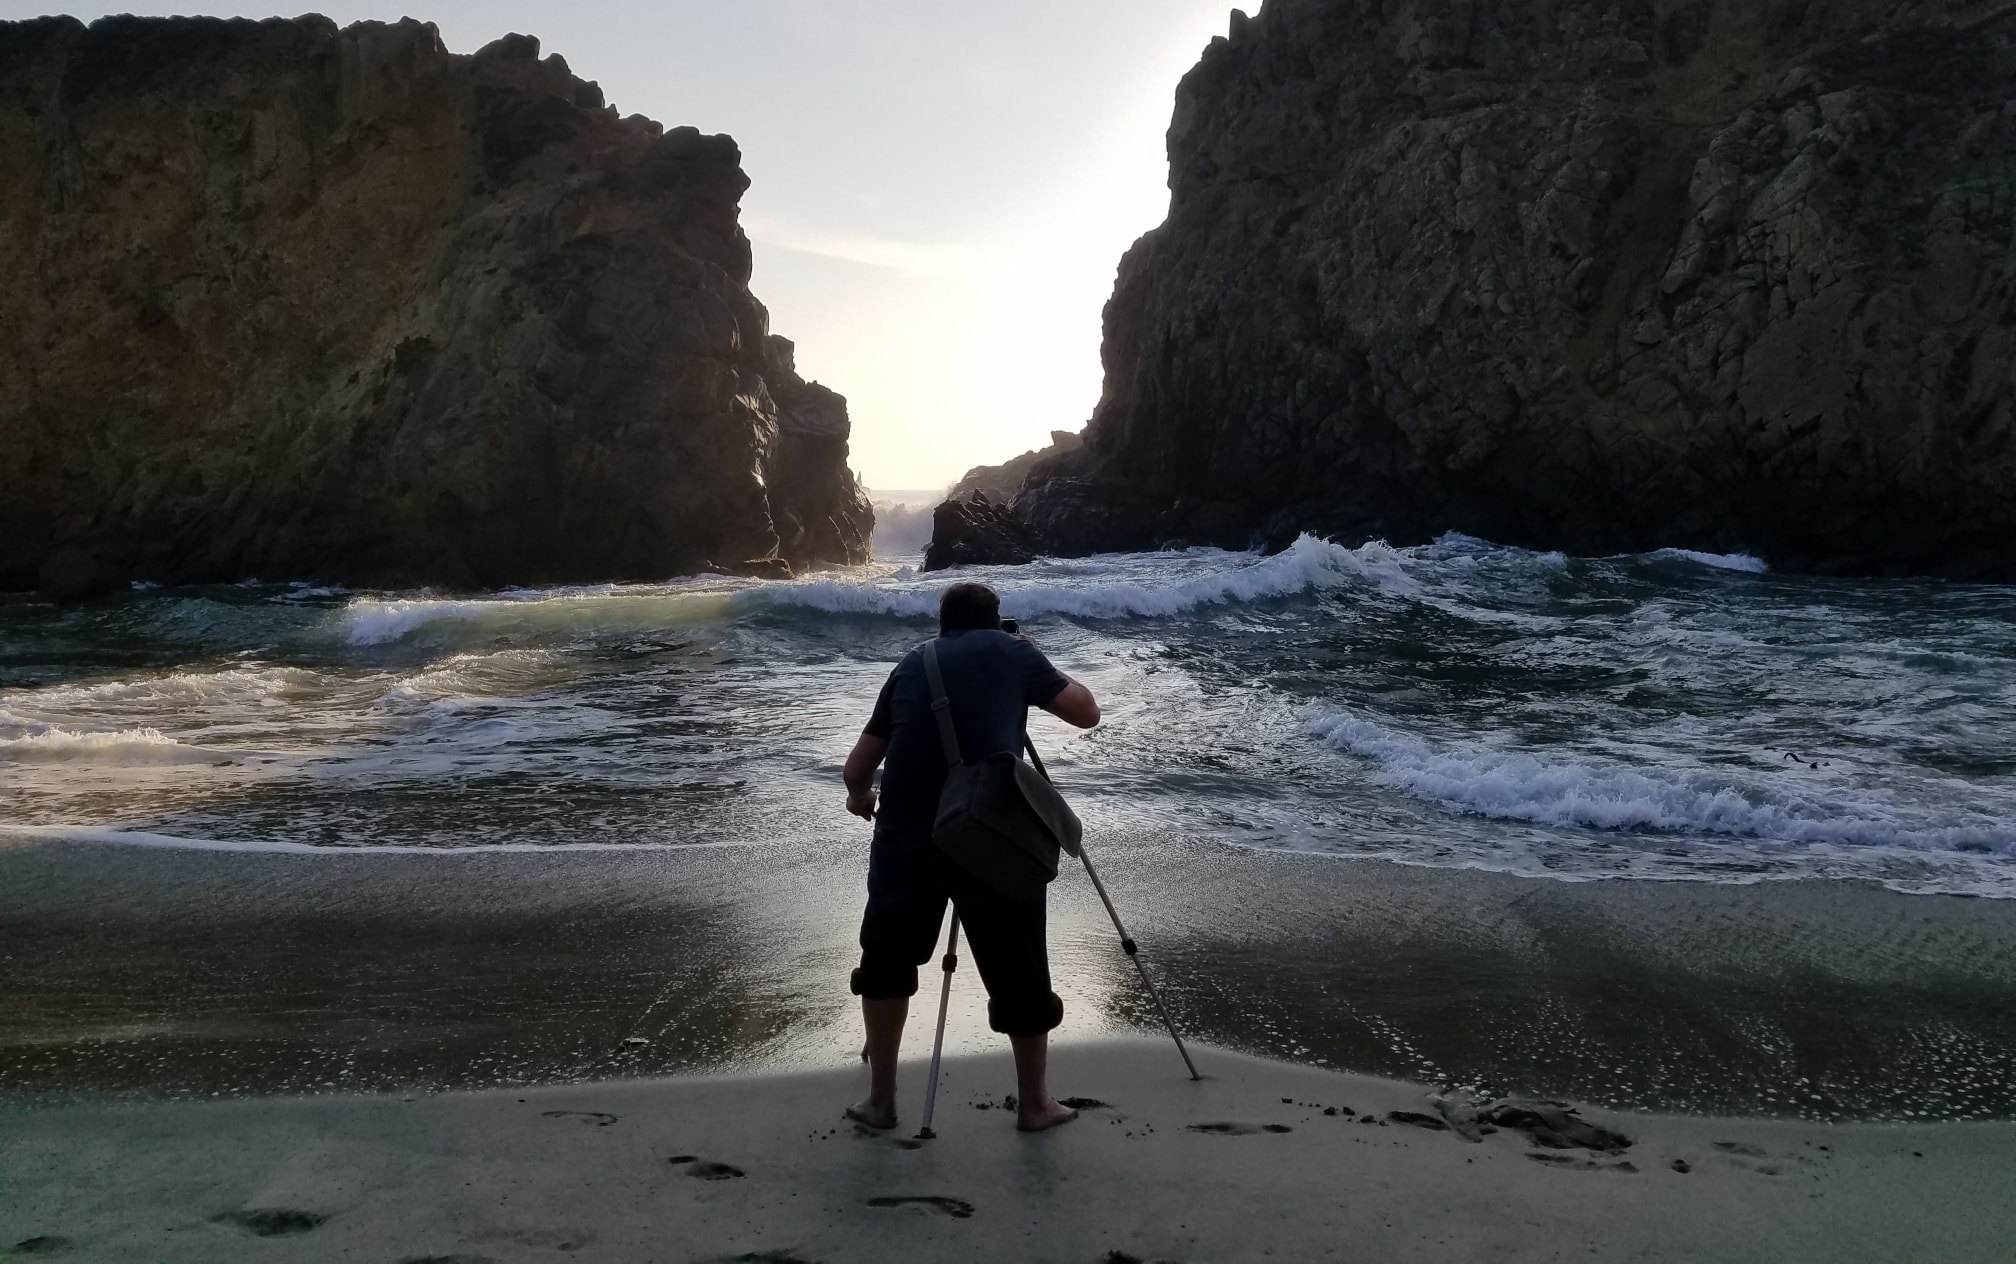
141,838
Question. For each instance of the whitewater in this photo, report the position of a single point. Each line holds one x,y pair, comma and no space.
1672,715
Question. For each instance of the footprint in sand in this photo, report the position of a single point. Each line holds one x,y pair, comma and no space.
594,1117
1738,1151
1573,1164
957,1208
42,1244
538,1239
271,1222
707,1169
1234,1129
447,1259
1083,1103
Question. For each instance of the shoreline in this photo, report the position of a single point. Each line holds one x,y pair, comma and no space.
762,1167
116,836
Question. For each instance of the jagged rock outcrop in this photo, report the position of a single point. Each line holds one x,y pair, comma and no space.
1003,482
820,509
972,530
1597,275
285,301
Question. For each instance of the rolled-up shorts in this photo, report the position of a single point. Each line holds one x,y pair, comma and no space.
909,883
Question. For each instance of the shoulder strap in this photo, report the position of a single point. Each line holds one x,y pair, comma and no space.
941,706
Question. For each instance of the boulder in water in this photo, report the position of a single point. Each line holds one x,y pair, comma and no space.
977,531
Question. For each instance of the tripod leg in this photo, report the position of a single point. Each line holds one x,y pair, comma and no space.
951,963
1133,952
1127,944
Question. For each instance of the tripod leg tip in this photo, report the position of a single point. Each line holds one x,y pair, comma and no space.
925,1134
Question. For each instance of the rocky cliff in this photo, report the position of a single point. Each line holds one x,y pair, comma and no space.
285,301
1596,275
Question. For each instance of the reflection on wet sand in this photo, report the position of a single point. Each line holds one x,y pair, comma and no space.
327,975
191,974
1822,1000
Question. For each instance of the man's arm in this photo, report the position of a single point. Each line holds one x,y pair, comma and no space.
859,774
1074,705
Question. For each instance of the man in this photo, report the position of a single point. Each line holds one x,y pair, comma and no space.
991,679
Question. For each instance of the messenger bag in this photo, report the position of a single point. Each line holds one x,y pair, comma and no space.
998,818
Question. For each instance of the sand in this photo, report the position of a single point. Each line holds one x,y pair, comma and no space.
762,1168
165,973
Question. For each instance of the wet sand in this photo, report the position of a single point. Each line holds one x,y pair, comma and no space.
166,973
764,1169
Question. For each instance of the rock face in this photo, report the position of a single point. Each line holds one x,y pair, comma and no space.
1004,481
1596,275
285,301
975,531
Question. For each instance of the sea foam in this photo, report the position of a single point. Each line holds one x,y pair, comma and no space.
1309,563
1098,588
136,747
1570,791
1718,561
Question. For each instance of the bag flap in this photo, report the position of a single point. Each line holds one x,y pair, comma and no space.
1049,807
1013,799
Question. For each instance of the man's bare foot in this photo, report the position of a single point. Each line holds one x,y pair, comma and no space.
1046,1114
873,1115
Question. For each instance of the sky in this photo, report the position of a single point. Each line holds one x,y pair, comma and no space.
941,189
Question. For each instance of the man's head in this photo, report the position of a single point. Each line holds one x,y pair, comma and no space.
968,606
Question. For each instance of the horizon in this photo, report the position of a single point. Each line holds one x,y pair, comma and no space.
940,196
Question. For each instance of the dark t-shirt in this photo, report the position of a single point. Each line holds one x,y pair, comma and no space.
992,679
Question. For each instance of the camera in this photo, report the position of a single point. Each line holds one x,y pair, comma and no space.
1011,627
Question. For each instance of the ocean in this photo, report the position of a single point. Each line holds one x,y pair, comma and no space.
1666,716
1666,830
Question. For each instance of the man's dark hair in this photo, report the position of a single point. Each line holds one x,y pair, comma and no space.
968,606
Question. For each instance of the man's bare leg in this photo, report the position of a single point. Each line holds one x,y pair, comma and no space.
884,1021
1035,1109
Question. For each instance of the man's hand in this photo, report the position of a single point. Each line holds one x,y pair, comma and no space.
859,774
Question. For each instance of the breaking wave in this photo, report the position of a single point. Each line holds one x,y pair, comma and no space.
1718,561
1027,592
373,622
1307,564
1514,785
381,621
131,748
